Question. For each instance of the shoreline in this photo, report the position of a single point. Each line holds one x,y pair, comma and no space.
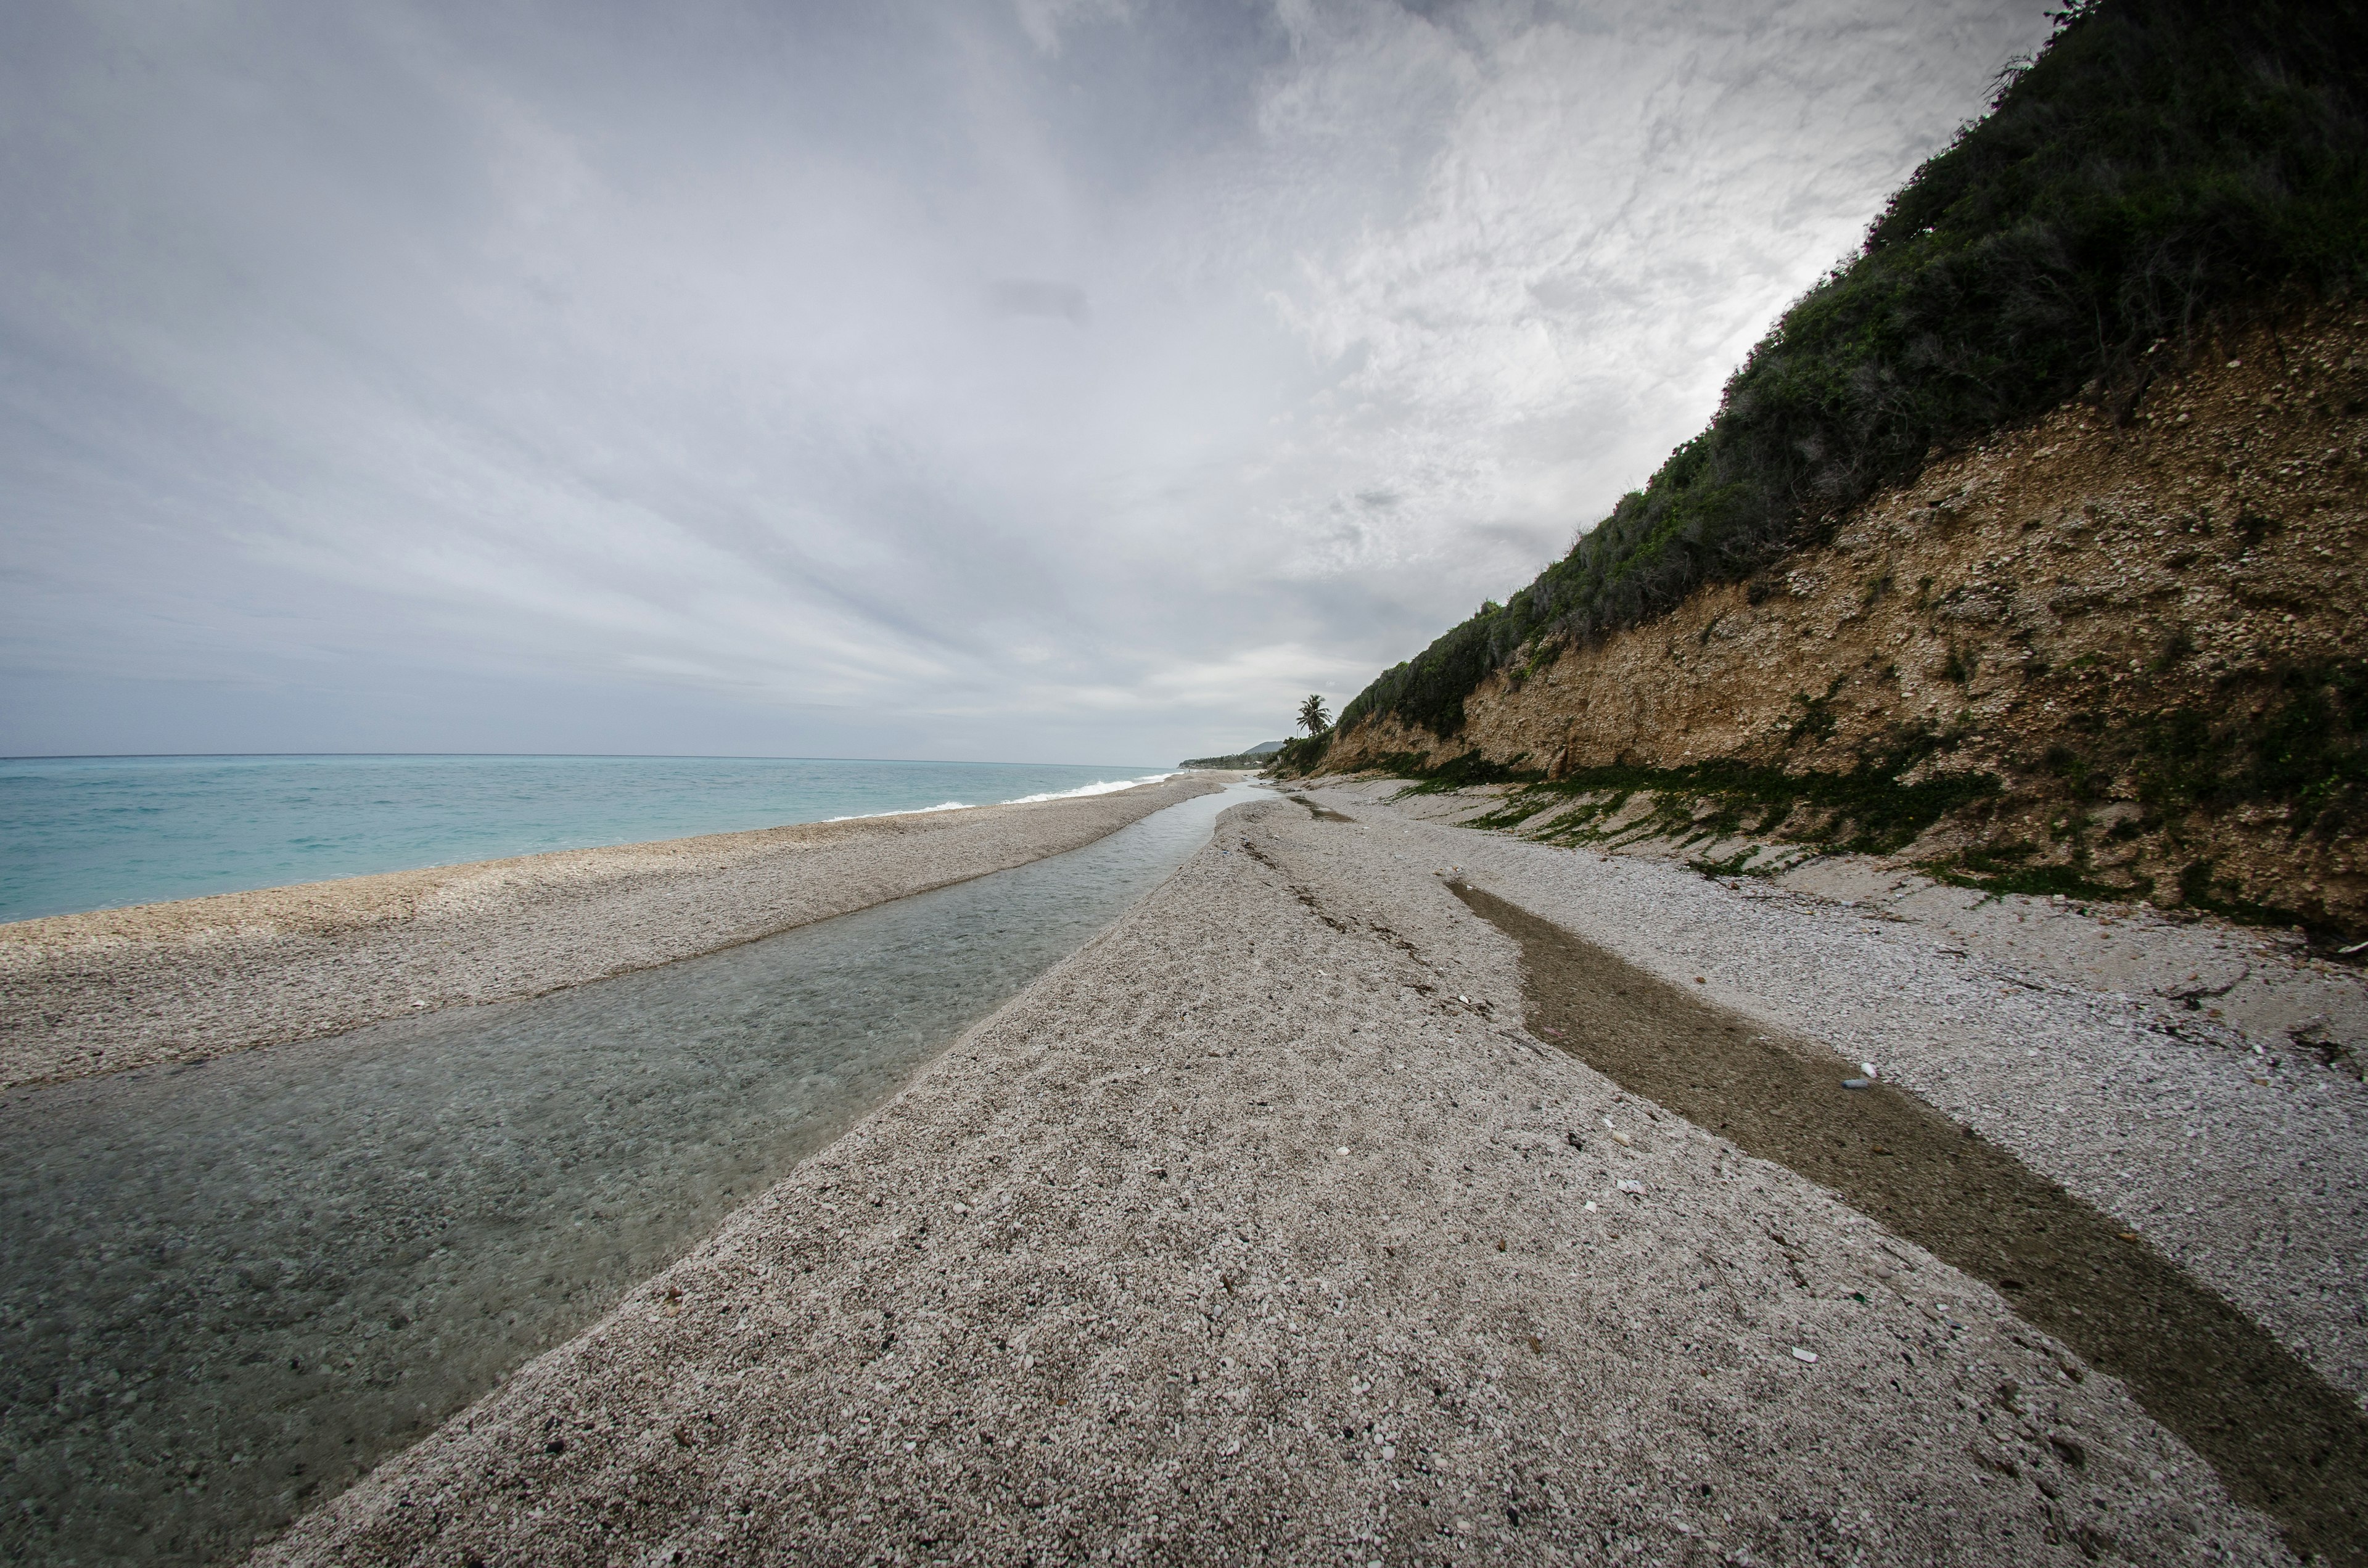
1266,1223
179,982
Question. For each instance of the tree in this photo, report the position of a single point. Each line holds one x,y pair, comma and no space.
1312,716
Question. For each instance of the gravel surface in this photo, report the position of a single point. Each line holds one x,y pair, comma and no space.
2252,1177
120,988
1261,1227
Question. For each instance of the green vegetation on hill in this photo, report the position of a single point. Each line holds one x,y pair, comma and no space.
2161,161
1302,753
1256,757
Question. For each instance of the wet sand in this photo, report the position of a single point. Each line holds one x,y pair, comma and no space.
1268,1224
163,983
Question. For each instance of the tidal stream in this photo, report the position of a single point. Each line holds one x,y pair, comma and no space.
229,1289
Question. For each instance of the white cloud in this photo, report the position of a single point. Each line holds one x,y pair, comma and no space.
1044,20
891,377
1618,207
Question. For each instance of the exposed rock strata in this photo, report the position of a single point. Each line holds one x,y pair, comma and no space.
2052,607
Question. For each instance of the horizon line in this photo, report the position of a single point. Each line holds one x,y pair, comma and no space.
585,755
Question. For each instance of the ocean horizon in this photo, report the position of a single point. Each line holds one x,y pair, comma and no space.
80,833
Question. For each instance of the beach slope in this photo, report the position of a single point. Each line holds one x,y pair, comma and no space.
161,982
1265,1226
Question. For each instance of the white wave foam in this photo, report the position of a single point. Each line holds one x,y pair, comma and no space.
1107,787
907,812
1103,787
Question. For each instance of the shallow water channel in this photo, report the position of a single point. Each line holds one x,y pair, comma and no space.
227,1289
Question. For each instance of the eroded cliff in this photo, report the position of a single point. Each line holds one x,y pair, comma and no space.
2089,655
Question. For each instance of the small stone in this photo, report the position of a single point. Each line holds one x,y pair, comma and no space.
1636,1186
1342,1150
1622,1138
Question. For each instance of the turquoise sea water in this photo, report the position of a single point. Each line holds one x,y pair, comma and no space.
98,832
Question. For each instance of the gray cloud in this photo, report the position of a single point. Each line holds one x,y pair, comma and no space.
1031,297
420,376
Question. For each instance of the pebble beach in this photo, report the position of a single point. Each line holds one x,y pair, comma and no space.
174,982
1268,1225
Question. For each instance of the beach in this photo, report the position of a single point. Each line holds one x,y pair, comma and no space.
175,983
1280,1221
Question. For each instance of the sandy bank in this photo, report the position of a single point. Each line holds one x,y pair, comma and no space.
1264,1226
2256,989
2062,1036
119,988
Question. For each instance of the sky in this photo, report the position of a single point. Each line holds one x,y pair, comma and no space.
1062,380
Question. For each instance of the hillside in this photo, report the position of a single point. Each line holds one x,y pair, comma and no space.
2082,659
2025,544
1257,755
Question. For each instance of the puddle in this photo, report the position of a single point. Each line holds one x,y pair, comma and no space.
226,1291
2283,1440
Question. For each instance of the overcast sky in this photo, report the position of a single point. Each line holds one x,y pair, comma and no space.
1048,381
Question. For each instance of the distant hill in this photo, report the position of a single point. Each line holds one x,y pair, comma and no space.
1257,755
2163,166
2026,548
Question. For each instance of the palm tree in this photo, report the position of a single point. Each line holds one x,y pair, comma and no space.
1312,716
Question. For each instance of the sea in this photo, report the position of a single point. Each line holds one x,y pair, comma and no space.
98,833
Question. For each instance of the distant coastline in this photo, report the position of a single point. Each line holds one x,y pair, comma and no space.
1257,756
112,989
96,833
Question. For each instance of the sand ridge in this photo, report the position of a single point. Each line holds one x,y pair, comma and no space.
1262,1226
162,983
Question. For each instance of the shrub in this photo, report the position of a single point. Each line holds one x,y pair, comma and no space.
2160,162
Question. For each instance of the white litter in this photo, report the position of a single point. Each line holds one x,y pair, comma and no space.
1800,1355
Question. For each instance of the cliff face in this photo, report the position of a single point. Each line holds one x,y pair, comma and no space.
2136,651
